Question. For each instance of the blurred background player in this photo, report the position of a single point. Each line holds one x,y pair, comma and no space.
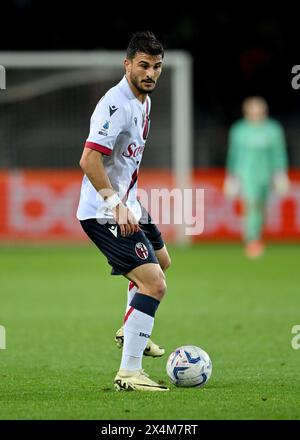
256,163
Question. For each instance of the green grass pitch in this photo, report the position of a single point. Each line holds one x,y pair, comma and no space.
61,307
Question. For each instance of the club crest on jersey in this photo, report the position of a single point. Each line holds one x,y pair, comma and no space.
141,251
105,126
133,150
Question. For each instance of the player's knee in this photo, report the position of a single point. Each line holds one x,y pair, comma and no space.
166,264
160,288
157,286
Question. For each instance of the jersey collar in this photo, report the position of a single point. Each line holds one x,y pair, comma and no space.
125,87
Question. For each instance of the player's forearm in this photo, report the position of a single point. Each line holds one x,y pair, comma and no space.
280,161
230,169
231,162
92,166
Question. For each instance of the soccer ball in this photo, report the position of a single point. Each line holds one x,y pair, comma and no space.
189,366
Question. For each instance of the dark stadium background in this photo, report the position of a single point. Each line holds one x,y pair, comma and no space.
238,50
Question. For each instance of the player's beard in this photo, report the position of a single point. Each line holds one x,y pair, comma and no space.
139,85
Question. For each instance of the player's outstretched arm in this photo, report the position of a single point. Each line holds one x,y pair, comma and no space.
92,165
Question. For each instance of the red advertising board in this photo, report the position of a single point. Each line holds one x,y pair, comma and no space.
41,205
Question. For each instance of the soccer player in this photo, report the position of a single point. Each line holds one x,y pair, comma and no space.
110,212
256,161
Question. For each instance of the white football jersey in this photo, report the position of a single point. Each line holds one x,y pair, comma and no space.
119,129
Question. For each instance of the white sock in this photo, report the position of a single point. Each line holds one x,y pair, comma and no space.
137,330
134,345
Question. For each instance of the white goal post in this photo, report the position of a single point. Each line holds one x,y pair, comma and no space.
180,65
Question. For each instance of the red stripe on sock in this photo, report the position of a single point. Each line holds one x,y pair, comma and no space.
128,314
131,285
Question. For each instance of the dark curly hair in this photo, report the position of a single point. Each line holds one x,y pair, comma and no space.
145,42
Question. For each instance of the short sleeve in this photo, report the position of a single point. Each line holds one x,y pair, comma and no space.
107,122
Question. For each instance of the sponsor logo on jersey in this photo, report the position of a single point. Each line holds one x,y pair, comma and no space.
112,110
133,150
141,251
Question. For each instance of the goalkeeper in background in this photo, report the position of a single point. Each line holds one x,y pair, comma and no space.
256,163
